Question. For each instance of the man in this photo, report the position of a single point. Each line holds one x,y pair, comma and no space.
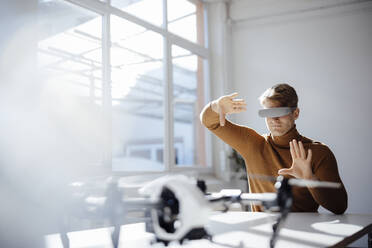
283,151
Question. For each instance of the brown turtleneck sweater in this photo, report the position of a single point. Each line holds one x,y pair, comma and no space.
266,154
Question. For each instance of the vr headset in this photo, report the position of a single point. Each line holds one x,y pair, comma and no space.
275,112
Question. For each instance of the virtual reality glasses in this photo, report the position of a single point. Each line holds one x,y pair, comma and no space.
275,112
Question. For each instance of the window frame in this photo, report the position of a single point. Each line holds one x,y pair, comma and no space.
105,9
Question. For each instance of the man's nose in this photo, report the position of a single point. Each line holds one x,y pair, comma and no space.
275,118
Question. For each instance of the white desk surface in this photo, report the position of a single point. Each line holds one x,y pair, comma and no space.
252,229
241,229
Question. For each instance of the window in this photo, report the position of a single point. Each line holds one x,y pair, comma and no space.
149,10
70,58
182,15
137,91
70,49
188,95
121,58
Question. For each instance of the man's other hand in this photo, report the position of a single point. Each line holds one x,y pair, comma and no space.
301,164
228,105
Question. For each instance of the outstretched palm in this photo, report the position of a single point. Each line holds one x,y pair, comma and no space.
228,105
301,164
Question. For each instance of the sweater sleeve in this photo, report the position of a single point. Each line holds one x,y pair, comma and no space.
241,138
335,200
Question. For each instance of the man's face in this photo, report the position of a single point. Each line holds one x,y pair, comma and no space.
279,126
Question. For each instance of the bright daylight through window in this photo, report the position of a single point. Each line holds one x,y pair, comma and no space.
145,78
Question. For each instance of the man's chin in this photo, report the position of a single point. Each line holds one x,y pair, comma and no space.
277,133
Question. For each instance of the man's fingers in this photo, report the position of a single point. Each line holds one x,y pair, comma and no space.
233,95
239,107
238,104
241,101
291,149
309,155
238,100
234,110
295,148
302,150
238,110
285,172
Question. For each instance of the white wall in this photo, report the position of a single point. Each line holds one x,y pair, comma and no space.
324,49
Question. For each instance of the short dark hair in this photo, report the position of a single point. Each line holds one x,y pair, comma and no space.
283,93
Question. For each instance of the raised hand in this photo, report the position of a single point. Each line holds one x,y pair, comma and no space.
301,164
228,105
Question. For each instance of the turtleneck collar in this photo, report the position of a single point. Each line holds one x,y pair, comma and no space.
286,138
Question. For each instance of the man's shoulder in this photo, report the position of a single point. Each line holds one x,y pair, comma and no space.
316,145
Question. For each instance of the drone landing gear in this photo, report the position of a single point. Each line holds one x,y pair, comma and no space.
194,234
168,217
197,233
284,201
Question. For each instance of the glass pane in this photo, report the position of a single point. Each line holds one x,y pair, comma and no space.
70,59
182,19
137,98
188,94
149,10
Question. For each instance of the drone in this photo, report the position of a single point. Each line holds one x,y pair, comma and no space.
169,205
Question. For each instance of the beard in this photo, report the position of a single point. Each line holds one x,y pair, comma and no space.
278,130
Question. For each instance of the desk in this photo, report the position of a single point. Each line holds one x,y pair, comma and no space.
251,229
254,230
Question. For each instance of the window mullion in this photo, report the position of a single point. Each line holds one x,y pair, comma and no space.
168,99
106,87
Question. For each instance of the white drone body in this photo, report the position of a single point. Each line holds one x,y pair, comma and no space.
193,208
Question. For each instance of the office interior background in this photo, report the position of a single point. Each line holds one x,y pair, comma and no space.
95,88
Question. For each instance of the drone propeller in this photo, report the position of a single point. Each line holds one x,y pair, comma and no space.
298,182
313,183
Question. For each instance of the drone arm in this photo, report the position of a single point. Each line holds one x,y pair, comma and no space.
313,183
141,203
266,199
248,198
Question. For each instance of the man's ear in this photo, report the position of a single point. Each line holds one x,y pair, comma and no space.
296,113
